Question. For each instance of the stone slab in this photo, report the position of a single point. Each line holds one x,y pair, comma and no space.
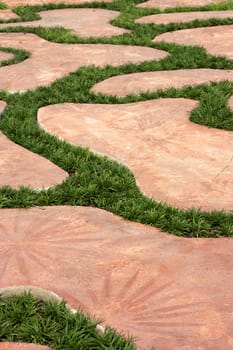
170,292
4,56
7,14
21,346
50,61
84,22
20,167
137,83
158,143
183,17
211,38
162,4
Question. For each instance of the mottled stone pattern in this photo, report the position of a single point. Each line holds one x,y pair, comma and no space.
50,61
136,83
161,147
133,276
183,17
84,22
204,37
162,4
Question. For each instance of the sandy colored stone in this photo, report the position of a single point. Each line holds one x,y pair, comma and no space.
4,56
50,61
7,14
216,40
20,167
14,3
21,346
162,4
231,103
169,292
173,160
136,83
84,22
183,17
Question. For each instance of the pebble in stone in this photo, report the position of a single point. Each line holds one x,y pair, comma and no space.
136,83
159,144
211,38
84,22
20,167
50,61
183,17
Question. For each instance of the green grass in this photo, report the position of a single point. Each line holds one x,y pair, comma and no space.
3,6
97,181
29,320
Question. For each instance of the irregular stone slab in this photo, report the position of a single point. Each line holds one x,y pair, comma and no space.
211,38
159,144
136,83
4,56
162,4
84,22
169,292
20,167
183,17
14,3
51,61
7,14
21,346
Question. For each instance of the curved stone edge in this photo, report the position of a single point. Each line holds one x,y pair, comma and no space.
42,294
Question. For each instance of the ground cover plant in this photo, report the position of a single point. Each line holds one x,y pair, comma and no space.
98,181
29,320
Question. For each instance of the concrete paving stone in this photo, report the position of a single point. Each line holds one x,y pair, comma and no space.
162,4
169,292
7,14
211,38
158,143
20,167
14,3
4,56
50,61
136,83
183,17
84,22
21,346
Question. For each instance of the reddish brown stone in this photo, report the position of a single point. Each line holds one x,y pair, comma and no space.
211,38
20,167
173,160
183,17
50,61
136,83
84,22
7,14
162,4
21,346
169,292
14,3
5,56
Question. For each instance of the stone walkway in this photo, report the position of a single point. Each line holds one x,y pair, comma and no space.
168,292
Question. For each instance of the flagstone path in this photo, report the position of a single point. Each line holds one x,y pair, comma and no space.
14,3
84,22
168,292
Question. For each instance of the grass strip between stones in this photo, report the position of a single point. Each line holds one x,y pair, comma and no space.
97,181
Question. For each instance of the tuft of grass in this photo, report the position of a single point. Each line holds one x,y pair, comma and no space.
3,5
29,320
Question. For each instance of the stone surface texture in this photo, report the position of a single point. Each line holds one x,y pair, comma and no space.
183,17
4,56
50,61
133,276
136,83
156,140
14,3
21,346
20,167
211,38
84,22
7,14
162,4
